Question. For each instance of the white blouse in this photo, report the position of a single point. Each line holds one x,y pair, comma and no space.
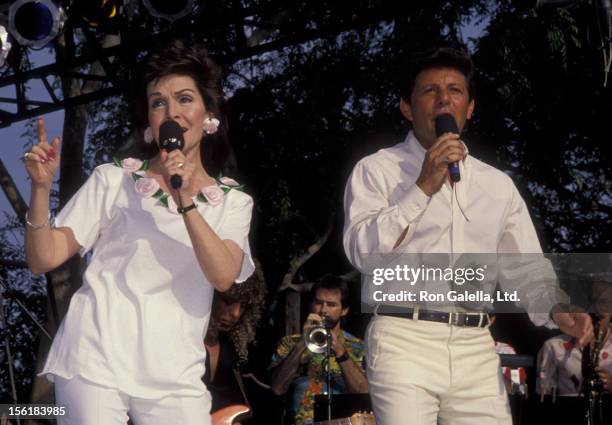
138,321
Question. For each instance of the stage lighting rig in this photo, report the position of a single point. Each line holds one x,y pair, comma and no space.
5,45
34,23
170,10
95,13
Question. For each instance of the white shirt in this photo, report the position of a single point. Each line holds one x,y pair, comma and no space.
483,213
560,365
138,321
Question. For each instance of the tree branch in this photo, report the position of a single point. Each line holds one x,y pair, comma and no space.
12,193
298,261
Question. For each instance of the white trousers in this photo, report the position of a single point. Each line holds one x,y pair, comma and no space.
428,373
90,404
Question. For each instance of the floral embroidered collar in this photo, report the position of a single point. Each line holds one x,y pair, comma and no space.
148,187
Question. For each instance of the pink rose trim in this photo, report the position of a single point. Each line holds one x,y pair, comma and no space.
146,187
229,181
214,195
131,164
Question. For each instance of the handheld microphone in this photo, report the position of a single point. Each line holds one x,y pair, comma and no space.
445,123
171,138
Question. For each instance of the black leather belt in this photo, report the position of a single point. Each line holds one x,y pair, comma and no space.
474,320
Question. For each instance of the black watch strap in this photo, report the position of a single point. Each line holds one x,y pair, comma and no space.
344,357
186,209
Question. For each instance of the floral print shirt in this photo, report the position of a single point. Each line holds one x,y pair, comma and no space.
312,378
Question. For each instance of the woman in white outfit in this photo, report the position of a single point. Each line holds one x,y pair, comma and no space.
131,341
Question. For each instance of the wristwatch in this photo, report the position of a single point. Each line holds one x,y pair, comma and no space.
185,210
344,357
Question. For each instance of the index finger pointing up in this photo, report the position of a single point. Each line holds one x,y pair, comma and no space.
42,133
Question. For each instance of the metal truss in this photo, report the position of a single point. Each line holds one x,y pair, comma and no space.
77,67
106,71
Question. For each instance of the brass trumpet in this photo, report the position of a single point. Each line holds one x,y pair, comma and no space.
316,338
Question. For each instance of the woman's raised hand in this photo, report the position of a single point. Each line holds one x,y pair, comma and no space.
42,160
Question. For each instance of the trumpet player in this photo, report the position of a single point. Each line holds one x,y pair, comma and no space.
298,362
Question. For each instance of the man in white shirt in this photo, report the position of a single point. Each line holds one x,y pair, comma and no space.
560,360
427,367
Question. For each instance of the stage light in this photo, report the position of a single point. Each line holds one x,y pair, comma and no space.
95,13
5,45
35,23
171,10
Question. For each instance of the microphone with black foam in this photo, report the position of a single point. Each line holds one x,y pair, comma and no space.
171,138
445,123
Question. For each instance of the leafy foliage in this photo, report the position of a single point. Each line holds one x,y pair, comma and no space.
545,114
17,286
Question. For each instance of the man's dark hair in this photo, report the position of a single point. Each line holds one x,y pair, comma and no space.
443,57
332,283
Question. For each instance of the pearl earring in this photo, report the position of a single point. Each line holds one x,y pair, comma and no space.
148,135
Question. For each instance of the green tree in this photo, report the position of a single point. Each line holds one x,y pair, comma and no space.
543,117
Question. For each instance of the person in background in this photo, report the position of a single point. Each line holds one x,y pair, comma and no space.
232,327
299,371
560,358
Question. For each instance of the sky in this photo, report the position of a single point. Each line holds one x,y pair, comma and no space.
12,141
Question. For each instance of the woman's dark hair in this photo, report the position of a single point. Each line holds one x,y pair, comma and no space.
193,61
251,295
443,57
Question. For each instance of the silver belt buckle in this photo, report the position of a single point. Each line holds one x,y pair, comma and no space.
466,318
453,319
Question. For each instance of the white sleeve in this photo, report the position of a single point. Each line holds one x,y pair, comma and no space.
546,378
236,228
90,210
371,223
519,234
523,267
